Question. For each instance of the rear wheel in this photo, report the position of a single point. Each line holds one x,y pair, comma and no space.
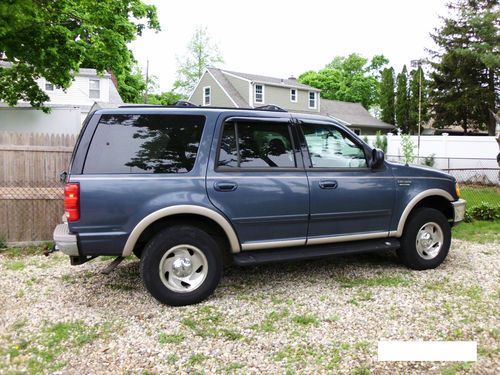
137,252
181,265
426,239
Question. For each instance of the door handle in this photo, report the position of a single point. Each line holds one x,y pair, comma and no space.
328,184
225,186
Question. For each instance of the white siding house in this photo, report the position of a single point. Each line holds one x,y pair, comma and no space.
68,108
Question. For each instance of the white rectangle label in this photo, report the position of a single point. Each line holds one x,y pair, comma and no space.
463,351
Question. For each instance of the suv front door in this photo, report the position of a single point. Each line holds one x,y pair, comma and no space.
257,179
348,200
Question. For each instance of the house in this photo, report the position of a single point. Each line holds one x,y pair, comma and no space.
68,108
224,88
354,116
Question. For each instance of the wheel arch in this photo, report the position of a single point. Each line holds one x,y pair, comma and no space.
434,198
203,216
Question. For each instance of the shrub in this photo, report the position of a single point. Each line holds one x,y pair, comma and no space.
485,211
381,141
429,160
3,241
468,217
408,148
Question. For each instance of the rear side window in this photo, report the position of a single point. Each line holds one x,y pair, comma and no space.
256,145
144,144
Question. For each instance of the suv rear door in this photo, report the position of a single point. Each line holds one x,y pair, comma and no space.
349,200
256,178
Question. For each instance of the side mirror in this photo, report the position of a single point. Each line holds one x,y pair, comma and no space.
377,158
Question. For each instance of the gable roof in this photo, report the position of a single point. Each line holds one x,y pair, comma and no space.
351,114
228,87
281,82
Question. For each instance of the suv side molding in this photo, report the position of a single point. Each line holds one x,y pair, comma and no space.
182,209
416,199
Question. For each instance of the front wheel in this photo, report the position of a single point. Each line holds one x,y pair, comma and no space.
181,265
426,239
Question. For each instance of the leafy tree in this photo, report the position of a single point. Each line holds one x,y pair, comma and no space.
387,96
53,39
351,79
201,54
165,98
133,86
465,87
402,103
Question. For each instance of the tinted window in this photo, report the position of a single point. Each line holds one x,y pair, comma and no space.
259,145
144,144
330,148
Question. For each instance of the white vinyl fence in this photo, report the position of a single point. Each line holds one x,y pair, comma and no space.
476,154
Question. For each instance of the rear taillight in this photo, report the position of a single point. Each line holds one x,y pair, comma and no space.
72,201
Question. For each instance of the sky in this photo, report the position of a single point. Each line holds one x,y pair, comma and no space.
284,38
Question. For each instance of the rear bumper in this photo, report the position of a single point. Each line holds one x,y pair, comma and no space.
458,210
65,241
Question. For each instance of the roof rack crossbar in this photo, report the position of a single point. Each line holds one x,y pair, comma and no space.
271,107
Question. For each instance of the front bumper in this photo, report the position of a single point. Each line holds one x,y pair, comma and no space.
458,210
65,241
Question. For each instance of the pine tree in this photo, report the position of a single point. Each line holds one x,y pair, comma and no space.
465,80
402,103
387,96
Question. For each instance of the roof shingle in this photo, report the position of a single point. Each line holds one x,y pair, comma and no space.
351,114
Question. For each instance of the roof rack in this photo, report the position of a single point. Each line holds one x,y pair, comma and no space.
270,107
141,106
184,103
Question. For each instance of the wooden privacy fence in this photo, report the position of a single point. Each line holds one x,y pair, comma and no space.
30,191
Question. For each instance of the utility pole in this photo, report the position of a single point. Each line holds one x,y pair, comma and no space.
147,83
418,65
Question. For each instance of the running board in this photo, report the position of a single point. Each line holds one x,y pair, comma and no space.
248,258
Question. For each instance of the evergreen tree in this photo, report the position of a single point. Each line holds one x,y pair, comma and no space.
465,81
402,103
387,96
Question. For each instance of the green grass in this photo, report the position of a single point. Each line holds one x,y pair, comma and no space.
478,231
207,322
16,252
348,282
163,338
40,352
15,265
456,368
361,371
305,320
474,195
232,367
268,324
196,359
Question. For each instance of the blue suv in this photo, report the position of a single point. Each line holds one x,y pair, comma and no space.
189,189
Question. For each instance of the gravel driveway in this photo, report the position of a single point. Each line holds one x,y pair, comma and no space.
323,316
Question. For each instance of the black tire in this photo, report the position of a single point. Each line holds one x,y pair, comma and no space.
137,252
408,253
168,239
